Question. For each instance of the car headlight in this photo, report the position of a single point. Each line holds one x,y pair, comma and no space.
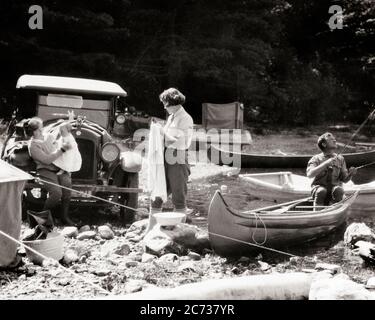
120,119
110,152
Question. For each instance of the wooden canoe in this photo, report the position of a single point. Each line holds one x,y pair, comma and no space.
235,233
252,160
286,186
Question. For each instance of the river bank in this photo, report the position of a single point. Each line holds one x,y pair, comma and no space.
121,266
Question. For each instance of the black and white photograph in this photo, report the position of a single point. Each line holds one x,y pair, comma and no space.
191,150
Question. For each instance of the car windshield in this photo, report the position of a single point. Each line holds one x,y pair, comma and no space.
55,106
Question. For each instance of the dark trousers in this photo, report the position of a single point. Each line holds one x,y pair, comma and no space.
55,192
322,196
177,176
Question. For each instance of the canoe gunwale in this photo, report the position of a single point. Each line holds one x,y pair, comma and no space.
251,179
333,209
233,234
258,160
307,156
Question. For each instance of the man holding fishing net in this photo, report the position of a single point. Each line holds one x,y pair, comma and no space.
329,172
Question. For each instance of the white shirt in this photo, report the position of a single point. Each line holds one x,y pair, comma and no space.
71,159
156,181
180,126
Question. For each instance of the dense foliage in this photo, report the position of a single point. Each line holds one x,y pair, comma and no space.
279,58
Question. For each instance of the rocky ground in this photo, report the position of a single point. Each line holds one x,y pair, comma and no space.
102,258
109,260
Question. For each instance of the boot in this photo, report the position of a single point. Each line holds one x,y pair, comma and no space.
64,213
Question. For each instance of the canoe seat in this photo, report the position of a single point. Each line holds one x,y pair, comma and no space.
310,207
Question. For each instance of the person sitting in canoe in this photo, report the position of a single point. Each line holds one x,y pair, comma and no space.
328,171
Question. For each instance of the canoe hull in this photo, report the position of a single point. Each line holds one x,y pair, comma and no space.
271,186
249,160
233,233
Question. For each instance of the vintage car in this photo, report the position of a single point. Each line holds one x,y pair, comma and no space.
103,128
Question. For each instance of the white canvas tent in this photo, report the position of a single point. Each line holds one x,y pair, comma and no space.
12,182
222,116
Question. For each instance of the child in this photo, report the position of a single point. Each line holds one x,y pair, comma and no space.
70,160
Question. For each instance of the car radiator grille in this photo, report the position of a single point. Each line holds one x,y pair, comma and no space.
88,154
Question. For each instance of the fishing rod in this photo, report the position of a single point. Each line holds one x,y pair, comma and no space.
365,165
371,116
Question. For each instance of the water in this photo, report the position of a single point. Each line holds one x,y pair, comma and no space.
330,247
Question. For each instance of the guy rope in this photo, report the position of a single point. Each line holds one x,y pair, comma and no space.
56,263
127,207
97,287
237,240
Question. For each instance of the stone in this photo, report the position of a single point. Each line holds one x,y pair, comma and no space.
178,240
63,282
84,228
366,250
30,271
142,213
70,256
131,263
86,235
264,266
235,270
105,232
120,233
135,256
243,260
113,247
114,260
136,230
158,245
146,257
82,248
338,289
342,276
295,260
356,232
134,286
185,258
188,266
308,270
70,232
224,188
370,284
48,263
365,245
333,268
169,258
22,277
321,275
194,256
122,249
21,251
259,257
102,272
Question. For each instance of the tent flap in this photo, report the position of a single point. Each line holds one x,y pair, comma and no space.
222,116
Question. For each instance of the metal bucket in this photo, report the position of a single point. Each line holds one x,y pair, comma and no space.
52,247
